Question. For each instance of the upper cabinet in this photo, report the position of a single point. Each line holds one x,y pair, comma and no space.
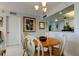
62,20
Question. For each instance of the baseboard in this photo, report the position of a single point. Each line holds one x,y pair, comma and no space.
67,54
12,45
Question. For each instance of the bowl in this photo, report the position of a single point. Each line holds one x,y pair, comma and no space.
42,38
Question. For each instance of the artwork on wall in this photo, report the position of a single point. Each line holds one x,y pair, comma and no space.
29,24
42,25
1,21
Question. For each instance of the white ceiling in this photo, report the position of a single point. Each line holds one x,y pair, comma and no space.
26,7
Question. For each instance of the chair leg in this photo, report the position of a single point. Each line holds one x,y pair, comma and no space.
23,52
50,51
43,52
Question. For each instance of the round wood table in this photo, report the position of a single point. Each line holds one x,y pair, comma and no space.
48,43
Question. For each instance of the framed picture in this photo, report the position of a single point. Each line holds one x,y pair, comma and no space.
42,25
1,18
29,24
1,21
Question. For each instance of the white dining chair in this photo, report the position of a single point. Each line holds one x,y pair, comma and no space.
2,45
29,45
60,47
46,50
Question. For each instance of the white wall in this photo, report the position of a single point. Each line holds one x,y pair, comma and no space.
76,21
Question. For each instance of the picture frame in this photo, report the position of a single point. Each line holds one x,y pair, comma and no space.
1,18
1,21
29,24
42,25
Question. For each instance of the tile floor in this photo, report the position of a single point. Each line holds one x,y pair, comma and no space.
15,50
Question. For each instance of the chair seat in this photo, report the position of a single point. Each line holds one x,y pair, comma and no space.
45,49
45,53
55,52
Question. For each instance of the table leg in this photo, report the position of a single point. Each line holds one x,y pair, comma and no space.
50,50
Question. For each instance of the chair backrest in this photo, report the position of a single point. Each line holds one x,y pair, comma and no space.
2,40
30,45
62,44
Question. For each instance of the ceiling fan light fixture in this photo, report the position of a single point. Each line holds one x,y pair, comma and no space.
36,7
44,9
43,4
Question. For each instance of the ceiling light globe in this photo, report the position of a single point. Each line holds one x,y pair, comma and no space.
43,4
36,7
44,9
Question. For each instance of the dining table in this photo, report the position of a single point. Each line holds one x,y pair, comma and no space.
50,42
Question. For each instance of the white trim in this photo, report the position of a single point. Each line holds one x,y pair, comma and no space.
67,54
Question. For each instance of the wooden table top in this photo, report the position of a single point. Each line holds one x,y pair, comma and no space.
49,42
